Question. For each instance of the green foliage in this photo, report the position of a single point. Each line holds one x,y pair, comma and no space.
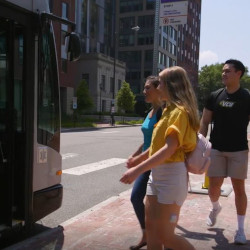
125,98
70,122
84,100
245,80
210,80
133,122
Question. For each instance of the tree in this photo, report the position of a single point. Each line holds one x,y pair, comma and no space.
245,80
125,98
84,100
210,80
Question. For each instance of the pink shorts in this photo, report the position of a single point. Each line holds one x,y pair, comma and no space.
169,182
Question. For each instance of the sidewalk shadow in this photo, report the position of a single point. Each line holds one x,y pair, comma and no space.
220,240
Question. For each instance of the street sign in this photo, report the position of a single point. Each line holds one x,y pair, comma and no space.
74,102
173,12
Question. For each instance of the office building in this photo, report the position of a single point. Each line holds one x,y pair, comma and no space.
67,70
122,40
189,41
99,65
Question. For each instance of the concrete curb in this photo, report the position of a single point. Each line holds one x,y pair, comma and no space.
99,126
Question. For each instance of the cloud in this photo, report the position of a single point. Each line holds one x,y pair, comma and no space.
208,57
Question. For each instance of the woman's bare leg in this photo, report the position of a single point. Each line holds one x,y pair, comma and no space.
161,221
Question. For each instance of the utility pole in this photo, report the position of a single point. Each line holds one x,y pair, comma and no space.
156,38
112,111
115,48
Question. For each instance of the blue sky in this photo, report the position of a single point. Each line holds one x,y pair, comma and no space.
225,31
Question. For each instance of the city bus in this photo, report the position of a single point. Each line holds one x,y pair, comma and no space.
30,160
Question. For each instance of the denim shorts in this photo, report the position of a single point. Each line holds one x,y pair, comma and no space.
169,182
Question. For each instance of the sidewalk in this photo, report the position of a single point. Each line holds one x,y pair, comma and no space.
112,225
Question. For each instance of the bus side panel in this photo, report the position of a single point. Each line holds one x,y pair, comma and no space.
47,168
48,191
47,201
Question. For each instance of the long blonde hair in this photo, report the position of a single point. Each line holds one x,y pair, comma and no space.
181,93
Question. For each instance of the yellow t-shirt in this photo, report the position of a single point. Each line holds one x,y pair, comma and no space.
173,118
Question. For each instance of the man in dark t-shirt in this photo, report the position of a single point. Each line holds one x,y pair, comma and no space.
228,109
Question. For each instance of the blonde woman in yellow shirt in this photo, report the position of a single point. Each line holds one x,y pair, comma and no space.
173,136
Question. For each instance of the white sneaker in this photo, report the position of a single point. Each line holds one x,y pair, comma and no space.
240,238
211,219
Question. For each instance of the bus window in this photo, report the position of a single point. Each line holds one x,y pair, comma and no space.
18,81
48,98
3,69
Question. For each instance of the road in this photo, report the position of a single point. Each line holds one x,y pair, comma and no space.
85,190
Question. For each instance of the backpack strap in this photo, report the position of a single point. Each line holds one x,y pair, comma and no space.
158,114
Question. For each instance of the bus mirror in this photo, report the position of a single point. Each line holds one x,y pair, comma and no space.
73,46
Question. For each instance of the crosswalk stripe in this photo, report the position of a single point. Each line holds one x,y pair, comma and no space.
69,155
91,167
109,132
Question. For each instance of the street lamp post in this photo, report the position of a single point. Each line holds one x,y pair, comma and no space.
100,109
115,49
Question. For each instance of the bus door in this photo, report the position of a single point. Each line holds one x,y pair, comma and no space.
13,138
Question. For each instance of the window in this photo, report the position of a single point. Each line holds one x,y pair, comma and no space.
112,85
126,40
119,84
103,105
173,49
175,35
65,11
168,62
130,56
147,22
20,49
48,116
170,47
165,43
150,4
148,55
64,65
147,73
171,32
51,5
165,29
63,35
146,38
164,59
126,24
133,75
103,82
86,78
130,5
64,30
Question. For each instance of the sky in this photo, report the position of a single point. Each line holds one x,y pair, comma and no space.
225,31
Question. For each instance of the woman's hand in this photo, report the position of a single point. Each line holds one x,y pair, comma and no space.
137,159
132,161
129,176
